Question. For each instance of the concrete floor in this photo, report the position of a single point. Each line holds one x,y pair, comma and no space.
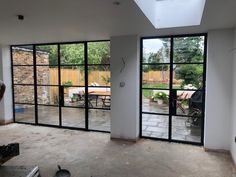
88,154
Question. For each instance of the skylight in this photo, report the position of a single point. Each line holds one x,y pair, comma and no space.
172,13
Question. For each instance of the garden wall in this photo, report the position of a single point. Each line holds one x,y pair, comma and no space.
24,74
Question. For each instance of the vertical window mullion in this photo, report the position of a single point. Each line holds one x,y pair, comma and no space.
35,85
86,85
59,83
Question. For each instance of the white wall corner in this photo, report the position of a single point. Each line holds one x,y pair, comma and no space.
219,89
233,116
6,105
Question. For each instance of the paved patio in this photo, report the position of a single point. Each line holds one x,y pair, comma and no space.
152,125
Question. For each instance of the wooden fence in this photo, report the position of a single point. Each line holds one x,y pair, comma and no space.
98,77
77,77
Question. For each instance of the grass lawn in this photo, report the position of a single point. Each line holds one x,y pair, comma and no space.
149,93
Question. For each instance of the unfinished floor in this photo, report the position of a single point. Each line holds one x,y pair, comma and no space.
88,154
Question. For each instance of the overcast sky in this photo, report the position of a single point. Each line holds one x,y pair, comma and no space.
152,45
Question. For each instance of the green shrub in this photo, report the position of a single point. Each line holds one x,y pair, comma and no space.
161,96
67,83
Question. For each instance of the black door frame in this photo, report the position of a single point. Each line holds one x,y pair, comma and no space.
170,89
59,85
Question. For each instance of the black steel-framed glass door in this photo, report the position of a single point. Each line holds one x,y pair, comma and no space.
173,88
53,84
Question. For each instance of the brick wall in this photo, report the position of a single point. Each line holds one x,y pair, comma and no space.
25,75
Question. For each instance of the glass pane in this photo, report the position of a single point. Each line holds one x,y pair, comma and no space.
188,76
25,113
72,54
48,115
99,75
184,130
47,75
156,50
99,97
156,76
22,55
99,119
188,101
156,126
155,101
74,96
48,95
188,49
99,52
72,76
23,74
73,117
24,94
46,55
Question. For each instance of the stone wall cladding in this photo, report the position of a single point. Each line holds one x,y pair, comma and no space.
25,75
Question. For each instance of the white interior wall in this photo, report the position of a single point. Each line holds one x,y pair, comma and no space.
219,89
125,100
233,122
6,105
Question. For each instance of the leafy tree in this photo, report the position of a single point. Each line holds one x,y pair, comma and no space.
73,54
190,74
156,58
99,52
189,50
52,50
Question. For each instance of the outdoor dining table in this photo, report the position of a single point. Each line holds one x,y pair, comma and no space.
99,93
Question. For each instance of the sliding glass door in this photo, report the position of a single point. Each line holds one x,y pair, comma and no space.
63,85
173,88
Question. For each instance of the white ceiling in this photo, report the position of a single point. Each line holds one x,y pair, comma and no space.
76,20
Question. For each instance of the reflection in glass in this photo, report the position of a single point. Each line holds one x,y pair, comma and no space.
25,113
73,117
99,119
183,131
48,115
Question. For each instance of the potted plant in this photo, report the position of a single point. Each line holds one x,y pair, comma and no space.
160,97
67,84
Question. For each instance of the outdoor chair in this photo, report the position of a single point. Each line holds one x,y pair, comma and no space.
180,100
195,109
106,101
81,98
